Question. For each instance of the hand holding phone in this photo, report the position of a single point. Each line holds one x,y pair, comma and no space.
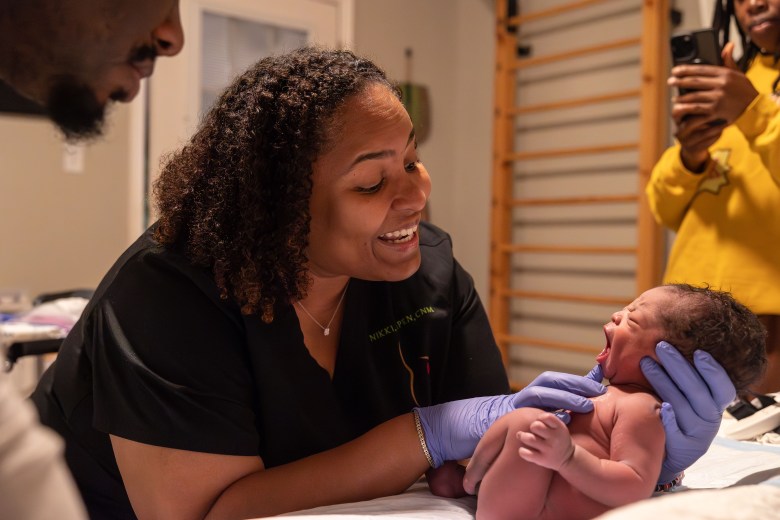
696,47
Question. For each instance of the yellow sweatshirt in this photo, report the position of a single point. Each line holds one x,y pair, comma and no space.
727,219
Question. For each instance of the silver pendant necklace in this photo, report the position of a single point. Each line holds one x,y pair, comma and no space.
325,328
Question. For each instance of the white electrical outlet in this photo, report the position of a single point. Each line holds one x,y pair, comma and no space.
73,158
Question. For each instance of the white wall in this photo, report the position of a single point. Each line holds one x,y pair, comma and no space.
452,43
57,217
63,231
60,230
472,175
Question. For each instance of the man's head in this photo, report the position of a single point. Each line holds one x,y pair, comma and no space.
74,57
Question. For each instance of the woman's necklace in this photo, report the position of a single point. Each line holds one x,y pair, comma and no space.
325,328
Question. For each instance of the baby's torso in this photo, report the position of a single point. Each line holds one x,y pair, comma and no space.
592,431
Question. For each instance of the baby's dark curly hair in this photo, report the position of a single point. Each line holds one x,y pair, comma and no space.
705,319
235,199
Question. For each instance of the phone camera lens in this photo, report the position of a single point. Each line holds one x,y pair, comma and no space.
684,47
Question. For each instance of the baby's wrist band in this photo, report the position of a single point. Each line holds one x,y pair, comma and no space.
663,488
421,436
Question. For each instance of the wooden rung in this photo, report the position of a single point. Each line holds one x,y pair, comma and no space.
573,103
516,386
576,53
562,152
591,250
546,343
553,11
590,199
576,298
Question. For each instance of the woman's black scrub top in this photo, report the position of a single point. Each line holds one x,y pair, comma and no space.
158,358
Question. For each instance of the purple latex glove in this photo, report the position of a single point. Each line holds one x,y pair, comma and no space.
596,373
694,400
452,430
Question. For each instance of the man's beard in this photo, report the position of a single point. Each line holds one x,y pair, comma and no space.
75,110
73,106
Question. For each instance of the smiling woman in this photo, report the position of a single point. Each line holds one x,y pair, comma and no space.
372,171
288,311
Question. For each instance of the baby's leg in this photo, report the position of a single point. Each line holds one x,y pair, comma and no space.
447,480
513,487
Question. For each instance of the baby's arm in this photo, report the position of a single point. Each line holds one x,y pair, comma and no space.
636,453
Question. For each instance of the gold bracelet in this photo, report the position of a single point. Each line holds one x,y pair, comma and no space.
421,436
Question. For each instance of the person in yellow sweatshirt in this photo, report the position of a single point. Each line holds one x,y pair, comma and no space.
718,187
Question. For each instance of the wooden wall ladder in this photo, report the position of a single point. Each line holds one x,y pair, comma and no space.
510,121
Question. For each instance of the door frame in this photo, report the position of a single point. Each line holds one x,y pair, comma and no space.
139,109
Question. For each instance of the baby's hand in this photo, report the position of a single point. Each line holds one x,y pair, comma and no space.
548,442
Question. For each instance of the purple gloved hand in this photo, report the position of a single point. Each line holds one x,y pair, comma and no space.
452,430
694,400
596,373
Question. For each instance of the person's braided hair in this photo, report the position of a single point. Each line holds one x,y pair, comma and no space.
235,199
704,319
721,23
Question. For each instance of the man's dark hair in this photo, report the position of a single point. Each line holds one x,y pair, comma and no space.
705,319
236,197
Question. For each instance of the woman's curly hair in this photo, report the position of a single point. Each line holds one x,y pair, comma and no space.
705,319
235,199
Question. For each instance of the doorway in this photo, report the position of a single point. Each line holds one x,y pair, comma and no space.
222,39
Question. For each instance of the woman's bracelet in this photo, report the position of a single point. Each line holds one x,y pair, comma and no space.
421,436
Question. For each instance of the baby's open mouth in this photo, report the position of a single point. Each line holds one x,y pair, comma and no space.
605,353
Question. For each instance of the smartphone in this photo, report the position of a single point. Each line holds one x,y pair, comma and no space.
696,47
